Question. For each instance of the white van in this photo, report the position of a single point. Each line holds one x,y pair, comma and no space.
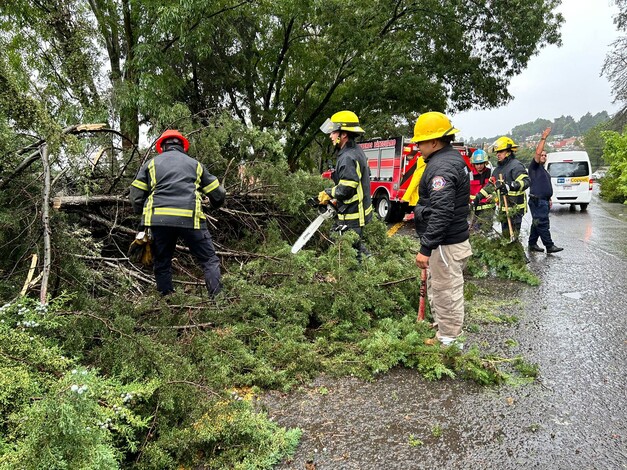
570,176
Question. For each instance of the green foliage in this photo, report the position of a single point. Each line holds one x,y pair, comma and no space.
497,256
55,413
252,60
614,185
593,143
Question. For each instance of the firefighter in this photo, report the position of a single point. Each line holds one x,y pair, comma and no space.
511,182
168,192
351,177
481,191
441,219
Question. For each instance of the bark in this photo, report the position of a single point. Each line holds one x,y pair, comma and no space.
45,217
72,202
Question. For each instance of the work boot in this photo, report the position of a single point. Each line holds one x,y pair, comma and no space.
553,249
535,247
432,341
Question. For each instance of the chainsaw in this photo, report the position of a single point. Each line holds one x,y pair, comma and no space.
327,212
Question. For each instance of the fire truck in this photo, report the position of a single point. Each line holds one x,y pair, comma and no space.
392,163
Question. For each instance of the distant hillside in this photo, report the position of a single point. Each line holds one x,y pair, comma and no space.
565,126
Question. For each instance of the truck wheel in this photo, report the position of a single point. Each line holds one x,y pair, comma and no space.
583,207
384,208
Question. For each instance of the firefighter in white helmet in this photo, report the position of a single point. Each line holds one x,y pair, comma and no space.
441,219
351,176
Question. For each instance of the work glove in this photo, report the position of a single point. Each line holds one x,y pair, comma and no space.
140,250
323,198
502,187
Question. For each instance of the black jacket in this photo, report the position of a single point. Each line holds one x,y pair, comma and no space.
515,175
168,191
441,216
352,187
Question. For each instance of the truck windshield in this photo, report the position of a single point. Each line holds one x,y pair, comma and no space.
568,169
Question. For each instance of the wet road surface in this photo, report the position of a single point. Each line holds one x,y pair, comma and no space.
574,326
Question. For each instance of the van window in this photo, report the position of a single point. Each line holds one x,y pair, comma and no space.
568,169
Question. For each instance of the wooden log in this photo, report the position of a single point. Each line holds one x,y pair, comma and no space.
69,202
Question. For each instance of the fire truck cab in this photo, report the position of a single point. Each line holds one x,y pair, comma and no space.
392,164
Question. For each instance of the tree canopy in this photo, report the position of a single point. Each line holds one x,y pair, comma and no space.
279,66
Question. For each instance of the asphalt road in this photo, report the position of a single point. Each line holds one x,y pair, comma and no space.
574,326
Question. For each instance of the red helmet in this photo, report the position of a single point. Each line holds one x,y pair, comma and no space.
171,134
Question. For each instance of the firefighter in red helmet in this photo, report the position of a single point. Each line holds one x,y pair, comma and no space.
167,192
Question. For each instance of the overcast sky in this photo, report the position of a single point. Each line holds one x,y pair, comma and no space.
560,81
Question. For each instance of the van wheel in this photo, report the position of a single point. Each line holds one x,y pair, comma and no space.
583,207
572,208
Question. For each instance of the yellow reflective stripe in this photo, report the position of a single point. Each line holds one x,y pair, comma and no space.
173,211
360,194
152,183
152,174
520,179
354,216
148,211
198,207
140,185
333,192
350,183
210,187
484,206
351,200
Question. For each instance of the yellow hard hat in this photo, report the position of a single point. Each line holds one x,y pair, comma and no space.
342,120
504,143
432,125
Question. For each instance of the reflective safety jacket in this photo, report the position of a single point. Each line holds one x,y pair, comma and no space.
352,187
168,191
515,175
479,188
411,194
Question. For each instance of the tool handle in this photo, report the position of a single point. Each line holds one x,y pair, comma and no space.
423,294
509,220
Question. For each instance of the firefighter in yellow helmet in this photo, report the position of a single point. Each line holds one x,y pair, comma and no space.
351,176
515,181
441,218
168,192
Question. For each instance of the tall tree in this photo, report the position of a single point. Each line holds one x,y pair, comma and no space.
615,67
280,66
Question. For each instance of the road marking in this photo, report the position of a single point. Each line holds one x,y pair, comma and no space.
395,228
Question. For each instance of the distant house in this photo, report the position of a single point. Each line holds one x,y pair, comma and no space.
565,144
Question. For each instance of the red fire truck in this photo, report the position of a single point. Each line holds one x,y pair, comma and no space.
392,163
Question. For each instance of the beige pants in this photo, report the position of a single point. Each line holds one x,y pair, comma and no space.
445,288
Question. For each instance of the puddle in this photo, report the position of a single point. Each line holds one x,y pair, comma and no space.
573,295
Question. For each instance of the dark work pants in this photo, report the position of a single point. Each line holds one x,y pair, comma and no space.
359,245
516,224
200,245
540,226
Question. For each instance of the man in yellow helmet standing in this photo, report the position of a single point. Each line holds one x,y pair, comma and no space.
441,218
351,176
511,182
167,192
